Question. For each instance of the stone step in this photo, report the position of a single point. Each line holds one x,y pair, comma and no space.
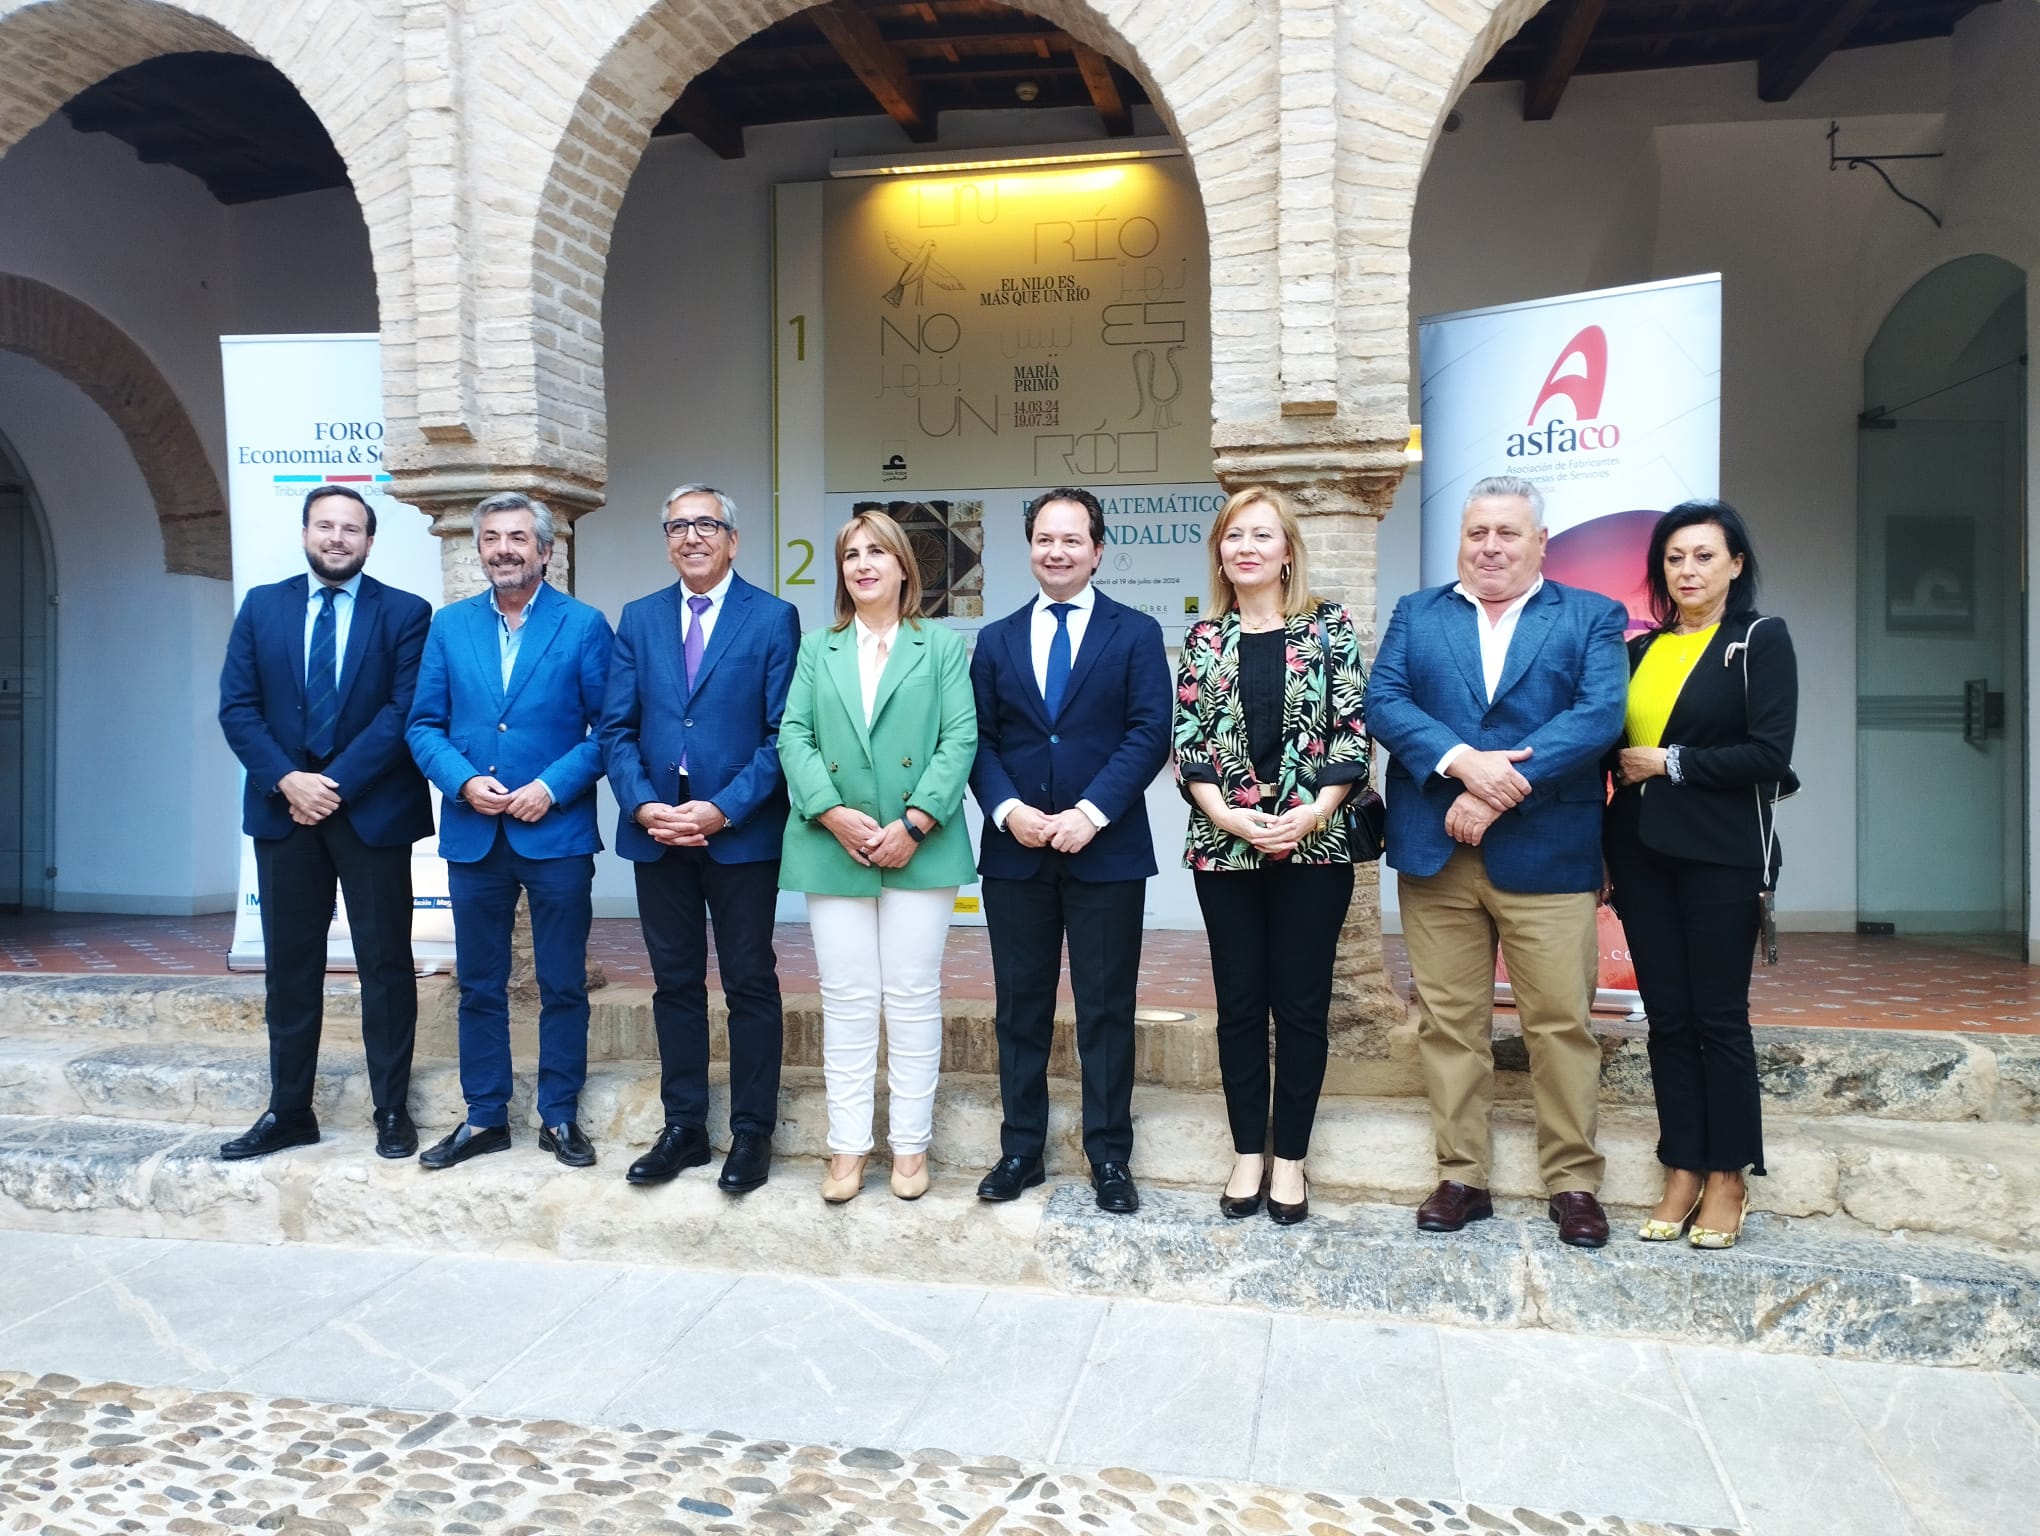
1887,1074
1976,1181
1790,1286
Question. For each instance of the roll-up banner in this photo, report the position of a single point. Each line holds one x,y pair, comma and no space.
304,411
1610,402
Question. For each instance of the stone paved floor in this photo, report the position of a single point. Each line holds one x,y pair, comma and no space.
78,1458
806,1405
1824,978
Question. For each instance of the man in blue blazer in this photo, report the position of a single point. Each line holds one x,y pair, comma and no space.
1073,702
509,695
317,682
690,733
1497,697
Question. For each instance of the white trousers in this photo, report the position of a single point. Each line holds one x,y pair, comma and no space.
871,950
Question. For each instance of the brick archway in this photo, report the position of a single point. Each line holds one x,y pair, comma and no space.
596,92
346,58
77,342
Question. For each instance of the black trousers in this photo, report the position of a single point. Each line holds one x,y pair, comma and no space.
1273,932
295,877
680,897
1027,922
1692,932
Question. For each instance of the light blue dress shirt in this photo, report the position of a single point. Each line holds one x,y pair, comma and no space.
509,642
343,620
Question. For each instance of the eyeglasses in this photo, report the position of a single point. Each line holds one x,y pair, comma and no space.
707,527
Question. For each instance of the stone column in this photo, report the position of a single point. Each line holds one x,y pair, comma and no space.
1340,492
449,499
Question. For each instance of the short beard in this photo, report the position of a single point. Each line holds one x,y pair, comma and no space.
522,584
339,578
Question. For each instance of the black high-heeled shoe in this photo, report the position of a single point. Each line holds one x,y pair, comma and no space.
1289,1215
1236,1207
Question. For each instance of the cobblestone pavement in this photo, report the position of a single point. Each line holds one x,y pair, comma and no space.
81,1460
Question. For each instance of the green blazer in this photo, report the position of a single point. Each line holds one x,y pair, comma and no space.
917,752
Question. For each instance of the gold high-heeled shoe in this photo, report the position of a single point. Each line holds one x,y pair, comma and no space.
910,1186
1708,1237
836,1191
1655,1231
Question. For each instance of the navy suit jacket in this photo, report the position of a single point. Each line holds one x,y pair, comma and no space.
262,709
1106,745
464,722
1564,685
726,728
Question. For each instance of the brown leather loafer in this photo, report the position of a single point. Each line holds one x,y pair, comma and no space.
1581,1221
1452,1205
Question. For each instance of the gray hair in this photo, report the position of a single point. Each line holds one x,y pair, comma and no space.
517,501
1508,485
728,507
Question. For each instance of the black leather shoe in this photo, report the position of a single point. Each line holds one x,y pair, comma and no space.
748,1165
271,1133
678,1146
567,1143
465,1142
1116,1192
1285,1215
1009,1176
395,1135
1237,1210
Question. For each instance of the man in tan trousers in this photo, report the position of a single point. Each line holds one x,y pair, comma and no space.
1497,696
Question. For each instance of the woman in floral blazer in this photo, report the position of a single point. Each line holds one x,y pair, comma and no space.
1269,742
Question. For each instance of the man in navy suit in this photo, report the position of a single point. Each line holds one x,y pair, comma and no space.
1073,703
1497,697
509,694
317,683
690,733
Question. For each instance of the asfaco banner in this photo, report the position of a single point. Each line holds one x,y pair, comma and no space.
1610,402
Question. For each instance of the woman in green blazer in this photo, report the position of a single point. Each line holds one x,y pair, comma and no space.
877,742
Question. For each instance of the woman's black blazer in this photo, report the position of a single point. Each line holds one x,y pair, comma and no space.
1733,758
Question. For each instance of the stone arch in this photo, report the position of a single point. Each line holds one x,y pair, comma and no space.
343,57
604,77
77,342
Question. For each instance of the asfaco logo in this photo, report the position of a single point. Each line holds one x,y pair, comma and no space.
1582,388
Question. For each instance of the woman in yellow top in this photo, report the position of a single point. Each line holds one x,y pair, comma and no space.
1692,849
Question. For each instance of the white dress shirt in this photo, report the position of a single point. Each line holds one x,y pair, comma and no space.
717,595
343,619
1041,634
1495,636
870,661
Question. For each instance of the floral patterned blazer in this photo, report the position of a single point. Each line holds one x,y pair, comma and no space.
1322,743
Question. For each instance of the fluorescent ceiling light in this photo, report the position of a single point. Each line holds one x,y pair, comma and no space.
963,161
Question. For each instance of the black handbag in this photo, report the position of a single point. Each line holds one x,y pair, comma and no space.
1363,810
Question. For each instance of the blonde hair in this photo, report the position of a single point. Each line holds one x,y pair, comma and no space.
892,538
1296,594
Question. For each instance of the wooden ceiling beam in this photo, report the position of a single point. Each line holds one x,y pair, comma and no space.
1786,67
880,66
697,113
1553,70
1097,72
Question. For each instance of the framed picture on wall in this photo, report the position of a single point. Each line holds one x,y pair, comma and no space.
1930,575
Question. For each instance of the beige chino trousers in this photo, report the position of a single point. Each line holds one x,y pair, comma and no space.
1452,921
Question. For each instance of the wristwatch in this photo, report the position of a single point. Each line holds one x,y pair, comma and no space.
912,831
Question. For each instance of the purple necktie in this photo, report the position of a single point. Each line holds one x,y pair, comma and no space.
691,648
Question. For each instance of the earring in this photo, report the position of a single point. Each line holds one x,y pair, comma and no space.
1285,573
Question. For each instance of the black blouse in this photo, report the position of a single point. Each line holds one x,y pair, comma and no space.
1263,661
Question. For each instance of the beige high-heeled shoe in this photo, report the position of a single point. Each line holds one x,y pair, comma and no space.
1709,1237
910,1186
836,1191
1656,1230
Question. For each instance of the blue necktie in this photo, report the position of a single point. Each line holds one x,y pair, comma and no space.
322,692
1058,680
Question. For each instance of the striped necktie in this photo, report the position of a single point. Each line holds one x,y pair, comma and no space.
322,689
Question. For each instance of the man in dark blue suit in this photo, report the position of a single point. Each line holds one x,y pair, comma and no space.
690,733
317,682
1073,703
509,695
1497,697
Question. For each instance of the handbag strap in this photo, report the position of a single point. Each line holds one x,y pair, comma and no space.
1767,832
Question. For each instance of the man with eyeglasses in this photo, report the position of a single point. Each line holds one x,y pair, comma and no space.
690,736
